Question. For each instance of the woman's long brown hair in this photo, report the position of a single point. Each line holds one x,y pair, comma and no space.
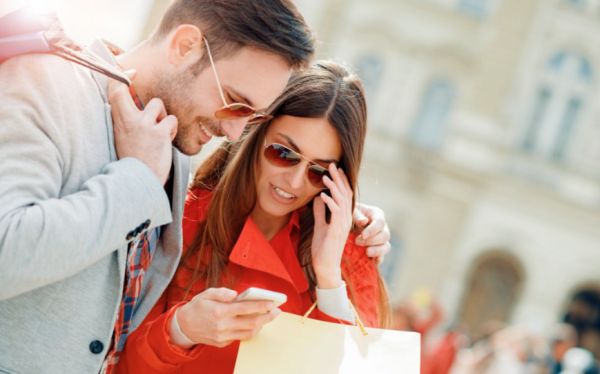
324,90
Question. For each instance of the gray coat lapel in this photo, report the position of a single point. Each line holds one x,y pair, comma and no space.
100,50
167,255
168,252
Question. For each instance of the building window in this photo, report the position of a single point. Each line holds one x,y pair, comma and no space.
576,3
370,70
537,117
556,111
566,128
475,8
428,128
491,292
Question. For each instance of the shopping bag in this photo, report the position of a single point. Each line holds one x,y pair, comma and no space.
292,344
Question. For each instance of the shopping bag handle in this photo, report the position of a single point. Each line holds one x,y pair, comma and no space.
359,323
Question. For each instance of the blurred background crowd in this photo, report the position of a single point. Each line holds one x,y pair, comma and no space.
483,149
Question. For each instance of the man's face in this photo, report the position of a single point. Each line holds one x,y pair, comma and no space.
250,76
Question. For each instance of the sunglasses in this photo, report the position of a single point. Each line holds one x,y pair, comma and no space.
235,110
280,155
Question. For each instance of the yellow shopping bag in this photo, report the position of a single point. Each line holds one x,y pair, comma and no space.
292,344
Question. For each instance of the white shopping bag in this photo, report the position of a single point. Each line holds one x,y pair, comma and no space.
292,344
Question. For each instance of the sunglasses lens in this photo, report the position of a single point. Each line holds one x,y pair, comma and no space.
281,156
235,110
316,174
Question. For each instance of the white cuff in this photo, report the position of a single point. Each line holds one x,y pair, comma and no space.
177,336
334,302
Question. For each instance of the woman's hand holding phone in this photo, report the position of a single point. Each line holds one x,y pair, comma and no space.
214,317
329,238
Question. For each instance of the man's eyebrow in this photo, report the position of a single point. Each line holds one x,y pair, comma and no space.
297,149
243,98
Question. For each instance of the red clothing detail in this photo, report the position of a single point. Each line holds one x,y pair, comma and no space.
441,358
253,262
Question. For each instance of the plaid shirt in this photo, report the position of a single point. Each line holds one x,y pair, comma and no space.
139,257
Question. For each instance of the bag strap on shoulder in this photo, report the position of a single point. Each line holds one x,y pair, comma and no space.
23,31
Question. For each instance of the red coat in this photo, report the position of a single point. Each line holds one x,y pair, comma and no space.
253,262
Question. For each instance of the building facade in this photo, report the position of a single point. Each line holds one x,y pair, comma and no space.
484,150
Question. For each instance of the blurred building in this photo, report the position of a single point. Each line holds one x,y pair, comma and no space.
484,150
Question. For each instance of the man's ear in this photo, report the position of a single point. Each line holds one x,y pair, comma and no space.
185,45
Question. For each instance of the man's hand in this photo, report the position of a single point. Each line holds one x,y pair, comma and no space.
214,318
374,231
143,134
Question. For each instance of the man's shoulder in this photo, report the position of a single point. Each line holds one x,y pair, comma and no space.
55,88
43,71
35,62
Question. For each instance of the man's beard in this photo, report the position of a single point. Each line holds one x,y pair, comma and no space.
173,91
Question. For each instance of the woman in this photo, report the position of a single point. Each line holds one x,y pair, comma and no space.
287,231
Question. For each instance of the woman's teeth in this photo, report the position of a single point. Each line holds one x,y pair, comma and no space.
283,194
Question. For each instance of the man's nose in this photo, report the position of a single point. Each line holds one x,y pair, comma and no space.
233,128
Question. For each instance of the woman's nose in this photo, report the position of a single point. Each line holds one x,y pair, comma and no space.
297,175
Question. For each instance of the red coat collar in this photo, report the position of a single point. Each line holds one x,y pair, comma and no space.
252,250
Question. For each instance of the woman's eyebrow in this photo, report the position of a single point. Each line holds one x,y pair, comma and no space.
297,149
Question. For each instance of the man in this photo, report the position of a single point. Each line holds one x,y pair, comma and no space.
84,211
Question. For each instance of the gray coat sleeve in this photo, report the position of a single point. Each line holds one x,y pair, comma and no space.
45,234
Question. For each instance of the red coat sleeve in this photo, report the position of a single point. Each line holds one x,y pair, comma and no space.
361,275
362,279
149,348
322,316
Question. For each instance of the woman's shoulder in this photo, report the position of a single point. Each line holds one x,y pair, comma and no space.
197,202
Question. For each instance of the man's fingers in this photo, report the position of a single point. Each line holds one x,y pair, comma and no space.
120,99
375,226
170,124
371,212
379,251
155,110
381,237
131,73
359,218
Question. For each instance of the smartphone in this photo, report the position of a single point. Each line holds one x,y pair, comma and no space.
327,211
255,294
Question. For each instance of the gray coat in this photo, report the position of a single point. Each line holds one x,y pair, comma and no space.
66,207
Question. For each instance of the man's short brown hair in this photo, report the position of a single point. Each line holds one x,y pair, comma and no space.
274,26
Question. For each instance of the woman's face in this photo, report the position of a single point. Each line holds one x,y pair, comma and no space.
283,189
